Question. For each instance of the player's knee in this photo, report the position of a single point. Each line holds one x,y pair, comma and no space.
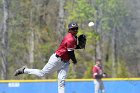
42,73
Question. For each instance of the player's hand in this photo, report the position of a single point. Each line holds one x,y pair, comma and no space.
104,75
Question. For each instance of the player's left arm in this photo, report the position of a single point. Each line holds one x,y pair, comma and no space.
70,47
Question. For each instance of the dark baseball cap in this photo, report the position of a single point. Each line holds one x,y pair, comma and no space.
73,25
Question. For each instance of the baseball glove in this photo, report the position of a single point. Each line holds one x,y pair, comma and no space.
100,76
82,41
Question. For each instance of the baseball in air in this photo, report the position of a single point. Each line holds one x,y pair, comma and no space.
90,24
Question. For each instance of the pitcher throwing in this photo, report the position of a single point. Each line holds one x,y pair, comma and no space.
59,61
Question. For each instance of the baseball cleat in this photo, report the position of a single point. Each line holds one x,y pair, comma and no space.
20,71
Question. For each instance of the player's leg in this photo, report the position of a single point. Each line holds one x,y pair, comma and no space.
102,87
50,67
96,85
62,74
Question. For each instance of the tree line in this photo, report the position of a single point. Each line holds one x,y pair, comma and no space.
31,30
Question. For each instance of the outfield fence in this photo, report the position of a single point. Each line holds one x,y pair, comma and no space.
112,85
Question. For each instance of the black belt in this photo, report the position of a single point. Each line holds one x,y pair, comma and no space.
59,57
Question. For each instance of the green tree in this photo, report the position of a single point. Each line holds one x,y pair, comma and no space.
122,70
110,19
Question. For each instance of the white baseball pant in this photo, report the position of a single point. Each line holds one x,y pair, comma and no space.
99,86
54,64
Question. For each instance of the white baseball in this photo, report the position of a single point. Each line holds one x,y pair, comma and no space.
90,24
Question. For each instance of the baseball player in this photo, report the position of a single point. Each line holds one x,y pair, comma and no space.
59,61
98,75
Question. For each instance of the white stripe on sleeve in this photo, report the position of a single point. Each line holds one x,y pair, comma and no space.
70,49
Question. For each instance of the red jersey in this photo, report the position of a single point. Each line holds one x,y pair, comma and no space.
68,43
97,70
